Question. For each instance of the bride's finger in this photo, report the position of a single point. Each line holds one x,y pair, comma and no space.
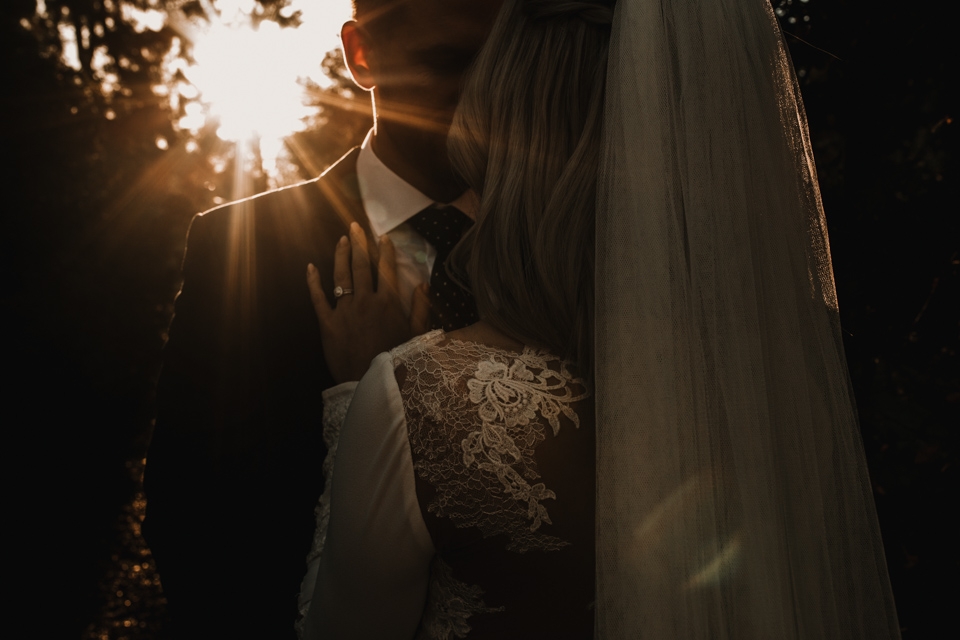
341,265
362,277
387,267
318,297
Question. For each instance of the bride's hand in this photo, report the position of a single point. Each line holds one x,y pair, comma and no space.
366,322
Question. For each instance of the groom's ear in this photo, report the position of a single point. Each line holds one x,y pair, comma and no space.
357,54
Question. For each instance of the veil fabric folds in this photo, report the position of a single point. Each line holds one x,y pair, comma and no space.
733,495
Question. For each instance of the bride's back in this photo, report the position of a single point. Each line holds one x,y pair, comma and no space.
503,449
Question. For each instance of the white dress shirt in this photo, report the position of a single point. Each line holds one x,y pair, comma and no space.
390,201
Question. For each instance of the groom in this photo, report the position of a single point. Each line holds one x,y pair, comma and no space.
234,469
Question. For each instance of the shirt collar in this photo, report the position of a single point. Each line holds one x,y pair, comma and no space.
388,199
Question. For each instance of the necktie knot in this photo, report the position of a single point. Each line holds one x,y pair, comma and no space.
441,226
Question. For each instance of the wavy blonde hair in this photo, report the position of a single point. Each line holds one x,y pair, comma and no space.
526,137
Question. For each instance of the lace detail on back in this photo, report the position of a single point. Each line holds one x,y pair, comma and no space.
475,415
450,603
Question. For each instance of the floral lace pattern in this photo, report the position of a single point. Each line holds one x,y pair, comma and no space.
475,415
450,603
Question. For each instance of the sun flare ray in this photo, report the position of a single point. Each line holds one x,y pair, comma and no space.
246,75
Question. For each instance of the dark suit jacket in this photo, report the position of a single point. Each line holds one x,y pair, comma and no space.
234,469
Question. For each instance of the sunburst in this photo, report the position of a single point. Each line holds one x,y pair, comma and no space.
250,77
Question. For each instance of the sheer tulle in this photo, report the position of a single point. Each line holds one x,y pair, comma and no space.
733,496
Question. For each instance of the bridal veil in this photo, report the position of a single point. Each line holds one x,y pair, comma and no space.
733,495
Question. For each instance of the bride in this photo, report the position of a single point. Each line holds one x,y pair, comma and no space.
650,433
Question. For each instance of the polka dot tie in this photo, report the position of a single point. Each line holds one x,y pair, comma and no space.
451,307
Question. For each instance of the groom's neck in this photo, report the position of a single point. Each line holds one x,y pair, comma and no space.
421,162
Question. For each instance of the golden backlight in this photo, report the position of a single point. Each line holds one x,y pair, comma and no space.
228,68
249,78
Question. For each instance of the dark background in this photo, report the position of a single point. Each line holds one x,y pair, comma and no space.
94,218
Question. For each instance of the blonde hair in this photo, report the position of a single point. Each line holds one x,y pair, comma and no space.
526,137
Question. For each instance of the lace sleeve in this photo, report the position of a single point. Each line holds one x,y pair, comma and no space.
336,401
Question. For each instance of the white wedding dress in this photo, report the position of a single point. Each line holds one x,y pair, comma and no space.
459,499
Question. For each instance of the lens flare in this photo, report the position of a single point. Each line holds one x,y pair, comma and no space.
248,75
248,79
